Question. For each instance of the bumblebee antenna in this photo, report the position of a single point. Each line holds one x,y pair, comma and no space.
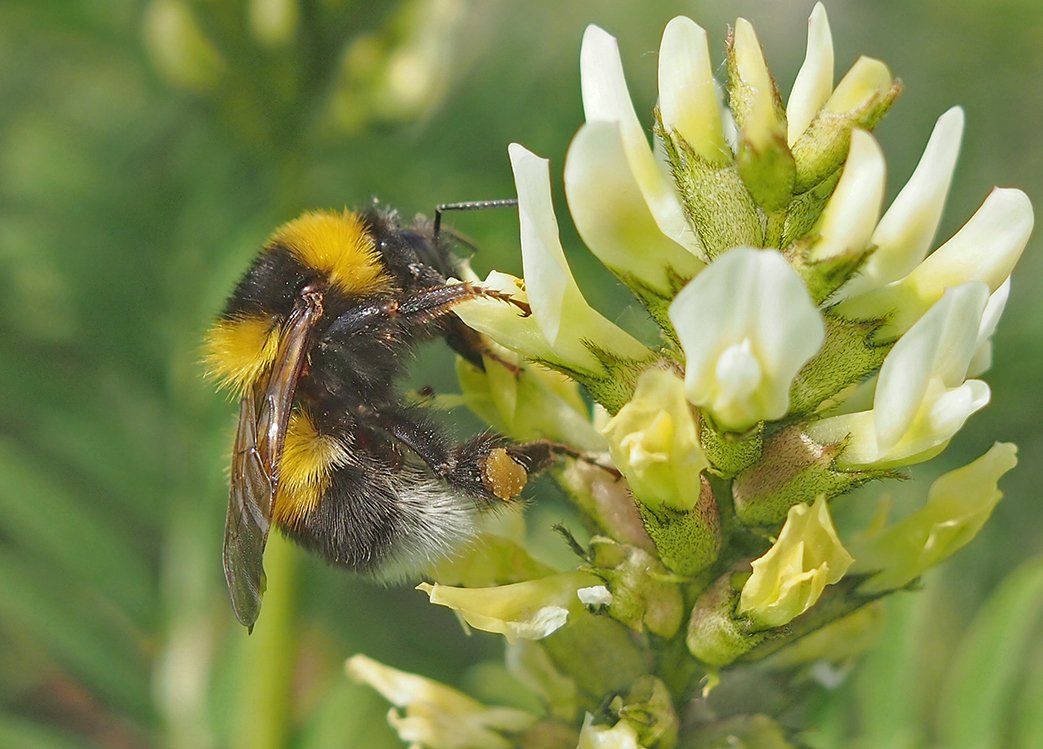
469,205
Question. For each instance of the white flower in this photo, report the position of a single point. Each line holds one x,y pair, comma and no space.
620,736
607,99
982,359
435,715
922,395
753,93
612,216
747,325
903,236
562,322
814,82
688,95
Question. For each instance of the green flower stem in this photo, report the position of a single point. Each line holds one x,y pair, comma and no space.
262,719
599,653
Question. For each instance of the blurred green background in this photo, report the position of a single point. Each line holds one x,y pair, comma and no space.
146,151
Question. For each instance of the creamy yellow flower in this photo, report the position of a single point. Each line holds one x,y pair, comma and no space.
436,716
653,442
792,574
530,610
958,504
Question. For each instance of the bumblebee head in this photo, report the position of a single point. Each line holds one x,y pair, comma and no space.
333,249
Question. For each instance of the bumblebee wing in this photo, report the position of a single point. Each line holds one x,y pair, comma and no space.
264,413
250,499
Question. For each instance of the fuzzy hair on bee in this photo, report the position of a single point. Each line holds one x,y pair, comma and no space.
313,340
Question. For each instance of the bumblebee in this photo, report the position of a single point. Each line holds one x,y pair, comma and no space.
312,340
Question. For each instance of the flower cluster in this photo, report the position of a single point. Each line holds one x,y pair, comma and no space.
810,342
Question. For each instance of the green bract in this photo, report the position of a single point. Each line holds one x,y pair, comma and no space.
809,343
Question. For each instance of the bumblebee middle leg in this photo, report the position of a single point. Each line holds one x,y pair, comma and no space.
486,467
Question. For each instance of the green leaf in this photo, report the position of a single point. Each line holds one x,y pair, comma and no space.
974,705
1028,718
16,731
43,516
890,683
83,636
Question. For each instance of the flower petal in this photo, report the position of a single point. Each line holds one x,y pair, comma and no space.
939,347
612,216
868,80
530,610
653,442
851,214
814,82
436,715
958,504
753,95
688,98
904,234
620,736
606,98
985,249
562,315
789,578
982,360
922,398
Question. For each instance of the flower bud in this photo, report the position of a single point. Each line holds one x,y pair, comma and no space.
814,82
648,707
792,468
716,635
753,96
764,159
622,735
842,234
606,500
688,100
861,98
642,593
